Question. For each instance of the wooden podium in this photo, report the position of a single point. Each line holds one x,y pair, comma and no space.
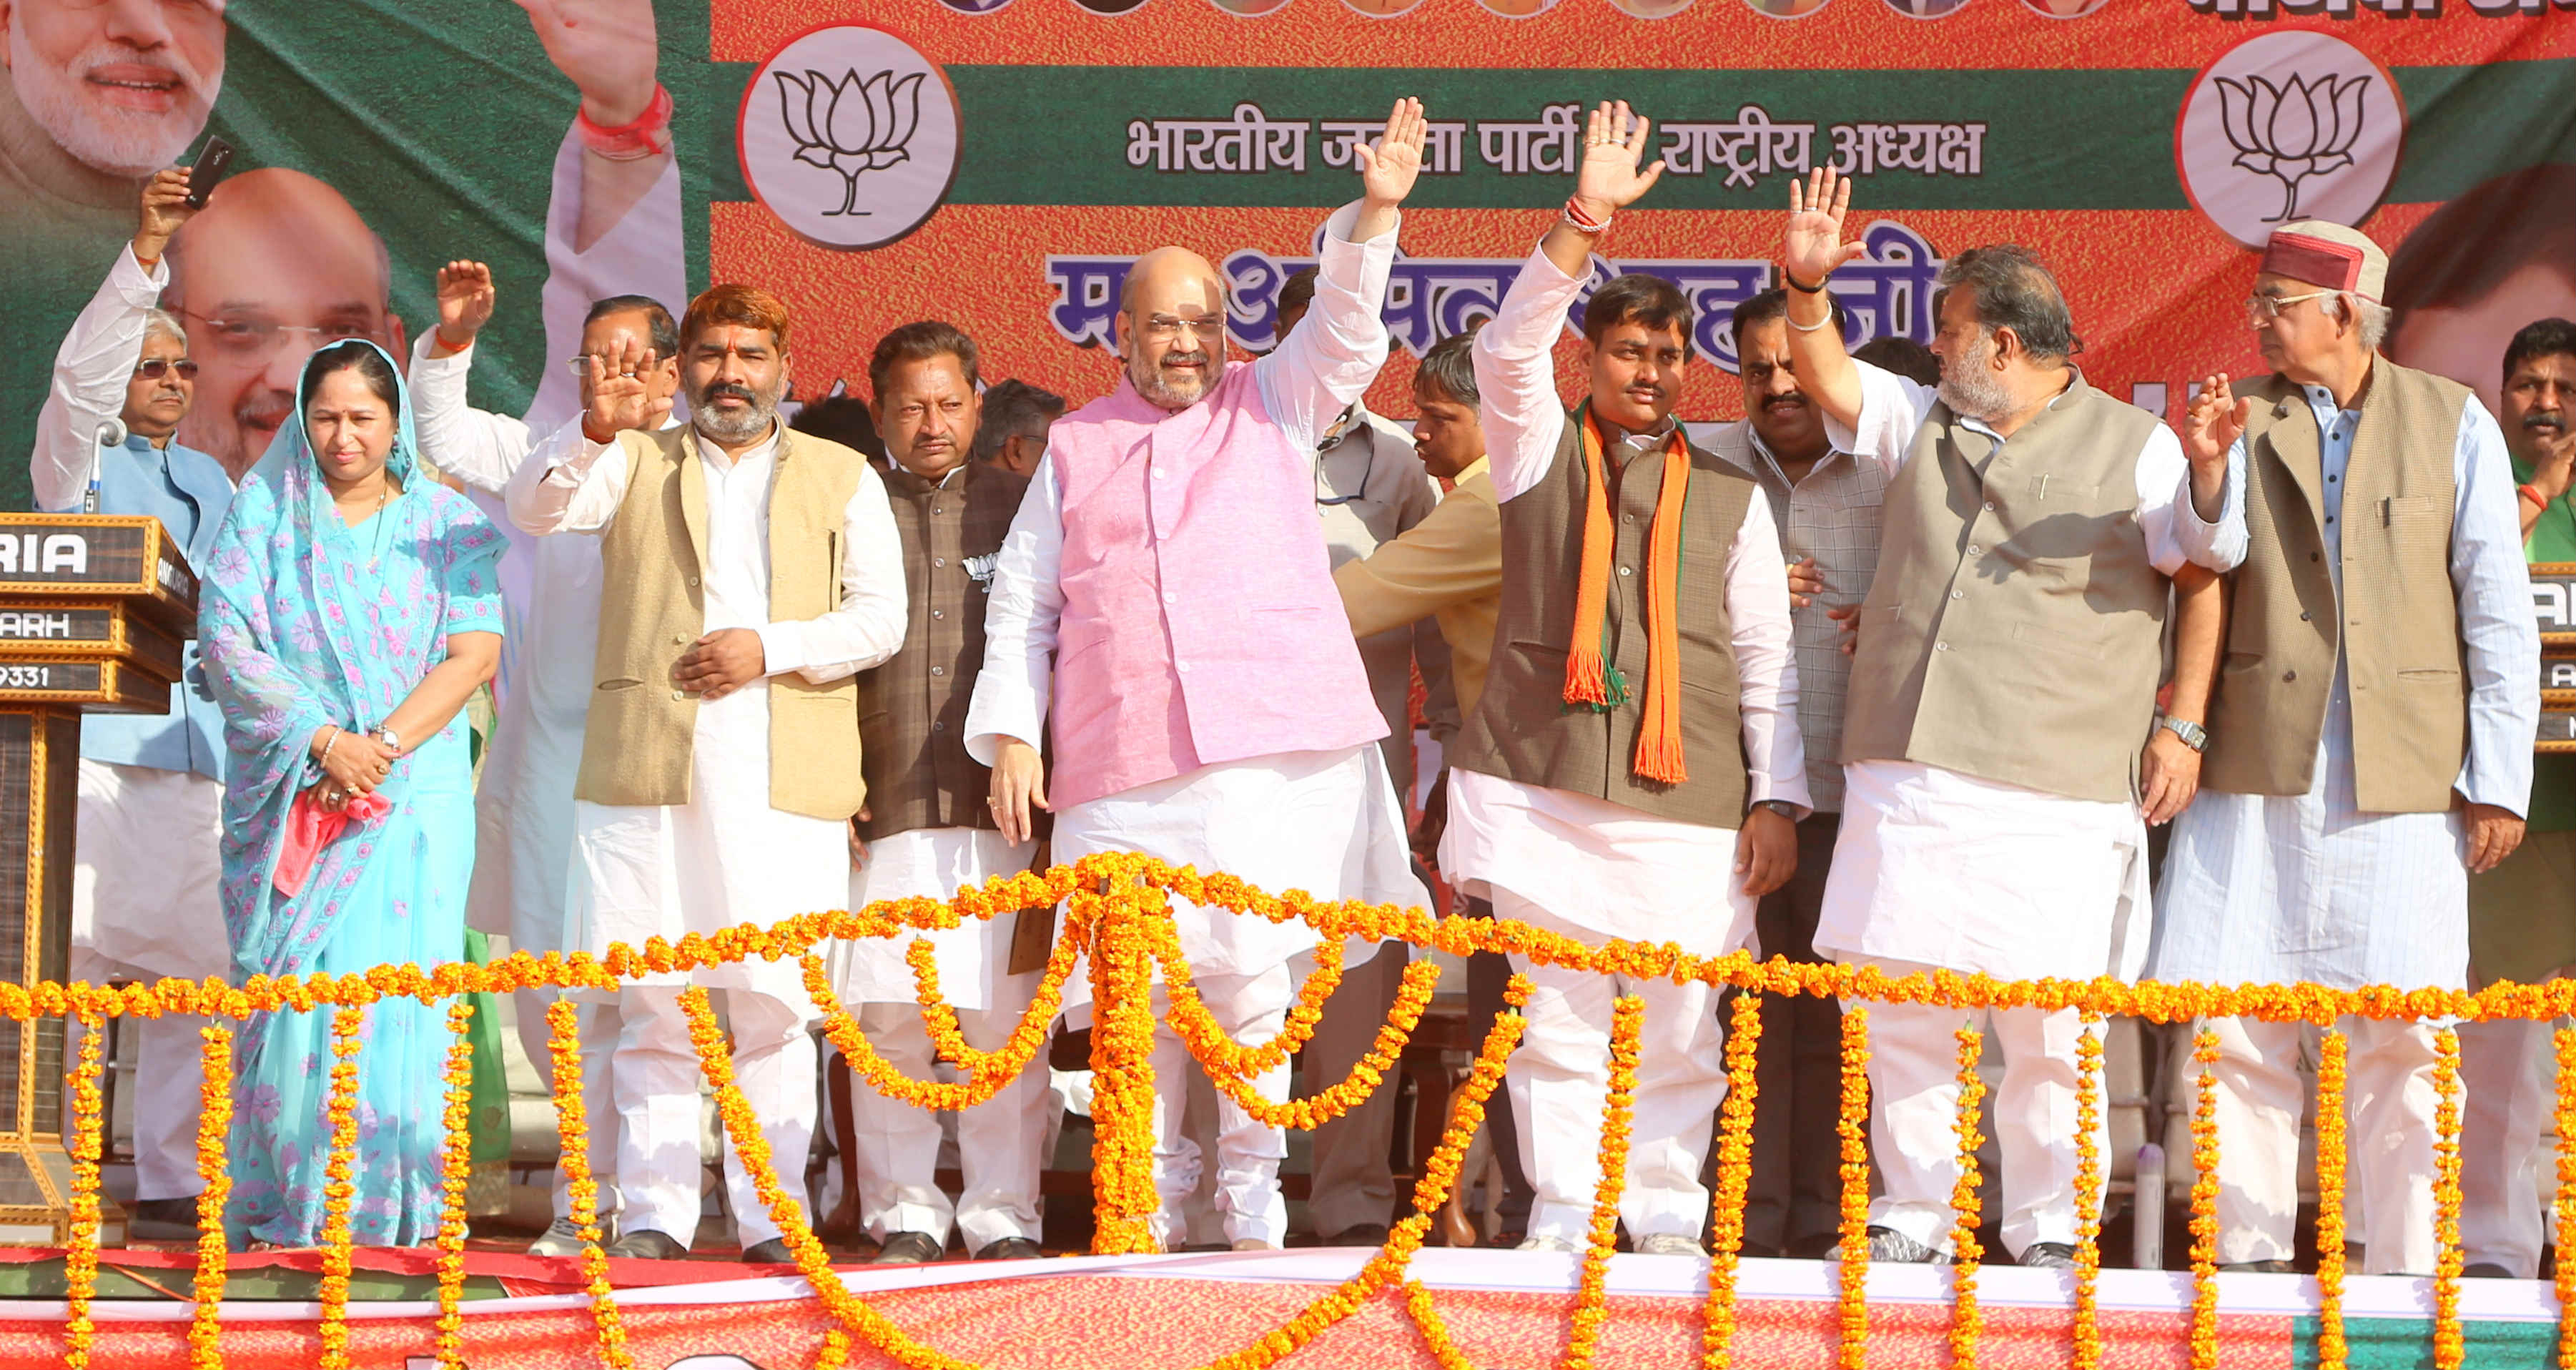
2553,602
93,610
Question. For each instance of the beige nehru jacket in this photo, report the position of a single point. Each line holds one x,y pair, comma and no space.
1449,567
2397,623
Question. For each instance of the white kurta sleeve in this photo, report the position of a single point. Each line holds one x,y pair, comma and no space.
579,491
481,449
91,369
1020,617
2174,530
1892,408
1766,668
645,254
1515,361
867,625
2493,583
1337,349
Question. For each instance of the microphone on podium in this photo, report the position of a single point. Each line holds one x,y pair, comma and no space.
110,434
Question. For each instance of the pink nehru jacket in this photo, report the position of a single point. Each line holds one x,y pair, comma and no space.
1200,622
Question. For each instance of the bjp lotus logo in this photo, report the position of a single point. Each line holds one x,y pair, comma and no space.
2290,124
2299,129
862,105
852,126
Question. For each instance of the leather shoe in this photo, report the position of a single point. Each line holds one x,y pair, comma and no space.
2265,1267
2487,1270
909,1248
2049,1256
1010,1249
162,1220
645,1244
771,1252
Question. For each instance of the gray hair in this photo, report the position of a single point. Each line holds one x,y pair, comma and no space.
2370,317
1450,368
162,323
2015,290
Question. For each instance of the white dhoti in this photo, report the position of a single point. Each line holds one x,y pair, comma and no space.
1935,868
723,859
1595,871
1323,822
1000,1142
145,906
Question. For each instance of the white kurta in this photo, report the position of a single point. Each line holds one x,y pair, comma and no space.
1933,864
2282,888
974,958
727,857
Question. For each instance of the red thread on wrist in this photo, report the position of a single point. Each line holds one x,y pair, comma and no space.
2531,493
649,133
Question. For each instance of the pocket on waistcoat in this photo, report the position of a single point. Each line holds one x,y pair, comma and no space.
620,683
2429,675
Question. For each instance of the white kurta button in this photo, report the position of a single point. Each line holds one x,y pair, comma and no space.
1182,666
1990,506
939,670
679,694
1160,473
1623,570
1940,646
1972,549
1958,594
1171,598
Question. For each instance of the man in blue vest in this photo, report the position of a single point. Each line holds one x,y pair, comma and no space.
151,788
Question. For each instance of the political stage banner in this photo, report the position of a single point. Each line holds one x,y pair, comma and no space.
997,163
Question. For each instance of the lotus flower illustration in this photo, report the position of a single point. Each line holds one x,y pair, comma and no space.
851,126
2290,132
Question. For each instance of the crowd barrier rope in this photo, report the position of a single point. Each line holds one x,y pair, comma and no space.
1115,920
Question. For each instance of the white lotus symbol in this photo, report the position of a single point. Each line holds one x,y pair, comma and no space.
850,126
2299,129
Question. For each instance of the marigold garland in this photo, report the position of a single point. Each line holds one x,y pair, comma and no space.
348,1024
1188,1014
572,1130
2332,1058
2088,1193
1967,1320
1853,1128
2565,1275
2204,1205
80,1260
1435,1333
1592,1294
214,1126
1734,1180
2450,1343
456,1165
1125,1196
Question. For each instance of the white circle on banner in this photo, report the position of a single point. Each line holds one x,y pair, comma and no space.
849,136
2288,125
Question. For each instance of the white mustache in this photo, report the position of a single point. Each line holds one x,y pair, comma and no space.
1198,358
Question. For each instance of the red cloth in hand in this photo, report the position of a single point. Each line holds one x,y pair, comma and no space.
310,828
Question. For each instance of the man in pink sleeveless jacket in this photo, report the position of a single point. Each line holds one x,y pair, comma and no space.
1165,589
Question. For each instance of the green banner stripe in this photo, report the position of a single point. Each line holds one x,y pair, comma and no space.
2407,1344
1038,135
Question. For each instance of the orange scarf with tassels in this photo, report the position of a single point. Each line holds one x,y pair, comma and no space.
1589,679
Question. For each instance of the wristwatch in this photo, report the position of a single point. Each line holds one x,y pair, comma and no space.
1781,807
2192,734
391,739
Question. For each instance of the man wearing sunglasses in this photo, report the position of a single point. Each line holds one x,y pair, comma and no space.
151,787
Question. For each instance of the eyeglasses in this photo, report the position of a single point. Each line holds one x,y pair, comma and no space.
1167,327
156,368
256,340
2262,309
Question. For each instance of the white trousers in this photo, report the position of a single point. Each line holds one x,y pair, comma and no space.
655,1084
2388,1096
169,1076
1914,1118
999,1143
1560,1080
597,1025
1251,1009
2509,1074
1353,1181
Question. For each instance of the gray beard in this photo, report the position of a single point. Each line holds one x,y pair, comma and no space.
752,426
1150,384
120,142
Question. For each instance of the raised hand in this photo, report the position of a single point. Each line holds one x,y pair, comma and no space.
1614,141
605,47
619,398
1390,165
1813,246
164,207
2214,422
465,299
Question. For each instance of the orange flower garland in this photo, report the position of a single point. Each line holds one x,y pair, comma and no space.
1967,1321
572,1130
456,1164
2566,1202
2332,1058
341,1109
1853,1127
2204,1206
80,1261
1435,1333
2450,1344
1221,1054
1592,1296
1125,1198
214,1125
2088,1193
1734,1180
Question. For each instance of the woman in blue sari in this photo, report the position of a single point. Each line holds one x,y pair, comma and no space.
351,607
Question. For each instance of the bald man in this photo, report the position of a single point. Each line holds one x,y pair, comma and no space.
1166,593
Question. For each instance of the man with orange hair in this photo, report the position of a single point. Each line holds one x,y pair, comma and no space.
750,573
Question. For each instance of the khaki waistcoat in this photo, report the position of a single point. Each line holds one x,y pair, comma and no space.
2014,630
2396,624
643,727
1523,729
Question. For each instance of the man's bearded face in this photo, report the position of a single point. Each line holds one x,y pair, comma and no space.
124,87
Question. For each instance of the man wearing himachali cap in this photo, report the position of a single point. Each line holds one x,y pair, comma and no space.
2370,745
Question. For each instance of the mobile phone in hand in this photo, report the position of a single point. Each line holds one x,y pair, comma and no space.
212,165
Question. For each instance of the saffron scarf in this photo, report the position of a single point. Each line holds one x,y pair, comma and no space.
1589,679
